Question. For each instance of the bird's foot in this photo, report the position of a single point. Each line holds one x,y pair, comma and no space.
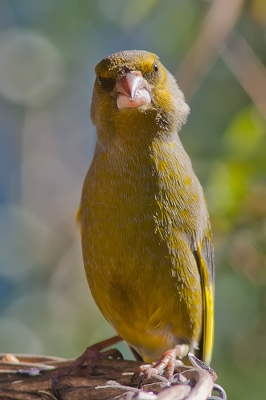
89,357
166,365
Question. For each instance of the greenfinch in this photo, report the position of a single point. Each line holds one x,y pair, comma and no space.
146,235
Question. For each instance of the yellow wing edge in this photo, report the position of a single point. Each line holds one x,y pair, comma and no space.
208,309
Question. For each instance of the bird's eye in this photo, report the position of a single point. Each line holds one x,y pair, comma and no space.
155,66
107,84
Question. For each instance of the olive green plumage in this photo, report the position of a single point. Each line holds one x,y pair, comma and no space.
146,237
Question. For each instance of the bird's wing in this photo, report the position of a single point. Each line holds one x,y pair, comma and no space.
204,255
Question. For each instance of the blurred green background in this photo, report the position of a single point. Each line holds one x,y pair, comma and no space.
48,50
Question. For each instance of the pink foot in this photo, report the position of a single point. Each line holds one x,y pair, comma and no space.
166,363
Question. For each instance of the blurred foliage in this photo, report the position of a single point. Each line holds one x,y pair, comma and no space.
48,50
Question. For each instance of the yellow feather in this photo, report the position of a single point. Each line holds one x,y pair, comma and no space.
208,309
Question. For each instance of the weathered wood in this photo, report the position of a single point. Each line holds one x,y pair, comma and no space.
111,379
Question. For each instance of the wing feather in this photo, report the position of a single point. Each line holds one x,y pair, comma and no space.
205,259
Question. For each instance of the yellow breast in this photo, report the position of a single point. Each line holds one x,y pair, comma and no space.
139,220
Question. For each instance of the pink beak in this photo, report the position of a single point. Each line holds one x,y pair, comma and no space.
132,91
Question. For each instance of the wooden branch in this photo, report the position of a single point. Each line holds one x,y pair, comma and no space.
28,377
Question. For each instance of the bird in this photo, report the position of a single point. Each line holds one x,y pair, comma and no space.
145,229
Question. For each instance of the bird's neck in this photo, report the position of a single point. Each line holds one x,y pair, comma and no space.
138,147
135,135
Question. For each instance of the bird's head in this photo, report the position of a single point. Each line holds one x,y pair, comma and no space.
133,91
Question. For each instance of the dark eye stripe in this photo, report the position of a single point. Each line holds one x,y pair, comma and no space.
106,84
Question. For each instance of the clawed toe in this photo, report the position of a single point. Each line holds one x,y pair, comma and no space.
163,367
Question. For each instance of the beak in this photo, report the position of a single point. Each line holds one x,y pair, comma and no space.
132,90
129,84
